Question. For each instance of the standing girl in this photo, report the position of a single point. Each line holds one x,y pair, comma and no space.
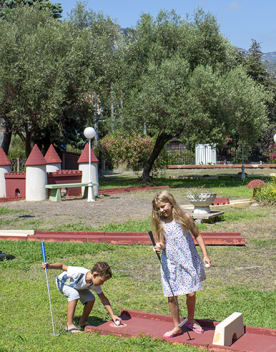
184,269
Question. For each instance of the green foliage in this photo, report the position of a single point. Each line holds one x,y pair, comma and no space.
132,149
185,157
17,148
267,194
255,67
172,86
53,75
7,5
43,74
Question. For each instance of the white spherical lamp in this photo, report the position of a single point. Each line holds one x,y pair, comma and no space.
89,132
274,138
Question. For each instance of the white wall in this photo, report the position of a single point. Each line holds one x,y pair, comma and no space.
205,154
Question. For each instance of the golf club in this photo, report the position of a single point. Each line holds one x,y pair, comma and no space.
46,273
164,271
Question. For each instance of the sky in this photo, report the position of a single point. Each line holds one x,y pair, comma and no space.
239,21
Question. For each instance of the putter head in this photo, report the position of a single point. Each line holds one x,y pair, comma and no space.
184,321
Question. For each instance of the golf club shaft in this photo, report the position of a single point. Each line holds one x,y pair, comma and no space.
48,287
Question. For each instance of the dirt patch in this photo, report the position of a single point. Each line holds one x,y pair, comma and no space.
115,209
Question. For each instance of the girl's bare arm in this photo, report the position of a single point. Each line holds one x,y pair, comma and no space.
199,238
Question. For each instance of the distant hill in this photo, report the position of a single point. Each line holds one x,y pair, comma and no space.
270,60
270,57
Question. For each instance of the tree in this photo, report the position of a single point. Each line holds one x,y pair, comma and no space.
257,70
108,43
7,5
178,83
45,73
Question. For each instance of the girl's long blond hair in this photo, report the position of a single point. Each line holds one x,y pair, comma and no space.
177,213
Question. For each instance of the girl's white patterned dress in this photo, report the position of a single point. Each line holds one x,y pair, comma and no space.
181,262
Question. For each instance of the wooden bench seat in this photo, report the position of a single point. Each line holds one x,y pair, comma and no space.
55,193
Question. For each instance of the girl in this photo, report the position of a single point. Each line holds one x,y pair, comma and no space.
184,269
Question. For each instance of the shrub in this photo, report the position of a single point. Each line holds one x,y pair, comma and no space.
133,149
272,153
267,195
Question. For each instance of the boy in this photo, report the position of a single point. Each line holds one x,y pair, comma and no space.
75,283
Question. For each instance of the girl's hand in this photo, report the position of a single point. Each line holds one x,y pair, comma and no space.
207,261
158,247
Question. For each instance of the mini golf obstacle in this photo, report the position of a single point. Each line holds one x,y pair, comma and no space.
135,324
210,238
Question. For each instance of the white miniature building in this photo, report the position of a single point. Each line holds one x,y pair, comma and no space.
5,167
84,167
205,154
36,176
52,159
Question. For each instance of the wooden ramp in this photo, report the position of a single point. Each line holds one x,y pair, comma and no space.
155,325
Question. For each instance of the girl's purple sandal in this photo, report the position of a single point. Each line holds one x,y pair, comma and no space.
197,329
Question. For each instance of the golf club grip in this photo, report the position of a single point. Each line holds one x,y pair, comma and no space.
153,243
152,238
43,252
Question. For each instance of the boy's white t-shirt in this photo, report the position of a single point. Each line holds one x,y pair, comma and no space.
75,277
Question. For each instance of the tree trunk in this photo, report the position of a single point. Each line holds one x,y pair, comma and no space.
161,140
28,147
6,140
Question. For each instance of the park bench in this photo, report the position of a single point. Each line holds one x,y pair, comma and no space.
55,189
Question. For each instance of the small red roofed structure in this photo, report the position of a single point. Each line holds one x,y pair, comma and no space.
52,156
84,158
5,168
35,158
4,161
256,184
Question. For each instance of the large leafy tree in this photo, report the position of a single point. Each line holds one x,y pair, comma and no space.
177,83
257,70
108,44
45,73
7,5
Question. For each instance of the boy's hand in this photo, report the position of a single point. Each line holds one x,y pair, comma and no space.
116,318
44,265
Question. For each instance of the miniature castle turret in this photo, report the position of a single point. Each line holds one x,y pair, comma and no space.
84,167
5,167
52,159
36,176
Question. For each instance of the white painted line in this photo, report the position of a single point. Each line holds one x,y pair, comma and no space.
17,233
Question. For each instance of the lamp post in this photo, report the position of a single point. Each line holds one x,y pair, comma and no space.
242,167
274,138
90,133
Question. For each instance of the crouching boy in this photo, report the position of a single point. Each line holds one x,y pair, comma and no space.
75,283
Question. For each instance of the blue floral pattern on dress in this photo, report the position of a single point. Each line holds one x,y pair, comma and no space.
181,262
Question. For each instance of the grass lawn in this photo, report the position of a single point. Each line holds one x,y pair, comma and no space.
241,279
226,186
25,317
